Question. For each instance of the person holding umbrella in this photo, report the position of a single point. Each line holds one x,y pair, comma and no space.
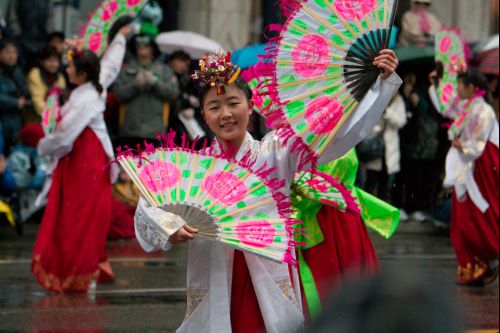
145,88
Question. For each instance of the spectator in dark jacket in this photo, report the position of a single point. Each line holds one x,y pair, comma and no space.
29,20
145,88
7,182
186,112
14,95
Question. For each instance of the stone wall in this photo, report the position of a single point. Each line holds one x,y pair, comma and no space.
228,22
473,17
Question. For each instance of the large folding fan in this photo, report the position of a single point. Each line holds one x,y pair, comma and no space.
450,58
226,201
324,63
96,31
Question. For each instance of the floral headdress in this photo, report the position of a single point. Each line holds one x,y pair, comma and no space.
74,48
217,70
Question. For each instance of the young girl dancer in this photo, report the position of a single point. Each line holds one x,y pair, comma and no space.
472,171
229,291
69,252
338,247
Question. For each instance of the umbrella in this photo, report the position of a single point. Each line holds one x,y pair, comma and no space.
248,56
490,44
489,62
194,44
411,53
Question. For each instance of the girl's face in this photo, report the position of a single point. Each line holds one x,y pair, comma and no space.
465,91
228,115
74,77
51,64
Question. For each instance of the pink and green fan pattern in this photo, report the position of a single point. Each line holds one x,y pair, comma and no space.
227,202
324,64
52,113
450,53
323,188
96,31
257,81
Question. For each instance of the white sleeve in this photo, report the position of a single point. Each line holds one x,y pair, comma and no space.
477,132
112,60
363,119
154,227
60,143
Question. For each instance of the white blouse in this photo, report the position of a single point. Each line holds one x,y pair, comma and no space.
210,265
481,127
85,108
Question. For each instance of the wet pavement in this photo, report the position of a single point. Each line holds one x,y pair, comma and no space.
148,292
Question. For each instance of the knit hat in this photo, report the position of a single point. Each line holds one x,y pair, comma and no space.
31,134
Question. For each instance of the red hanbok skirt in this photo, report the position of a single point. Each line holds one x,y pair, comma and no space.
246,316
347,252
122,221
475,234
70,250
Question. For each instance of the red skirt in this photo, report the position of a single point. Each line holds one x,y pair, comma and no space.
122,221
70,249
347,252
475,234
246,316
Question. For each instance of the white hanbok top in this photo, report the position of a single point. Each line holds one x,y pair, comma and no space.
481,127
85,108
210,265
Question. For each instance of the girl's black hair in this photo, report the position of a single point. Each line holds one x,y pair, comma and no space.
476,78
87,62
48,52
239,83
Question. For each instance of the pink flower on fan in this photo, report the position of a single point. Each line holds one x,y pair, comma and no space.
317,185
225,188
352,10
447,92
95,41
445,44
159,176
311,57
323,114
258,234
131,3
109,11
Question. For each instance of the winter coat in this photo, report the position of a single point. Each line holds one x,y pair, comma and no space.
395,119
388,127
26,168
12,86
145,105
39,88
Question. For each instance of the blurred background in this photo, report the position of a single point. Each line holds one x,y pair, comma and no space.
235,24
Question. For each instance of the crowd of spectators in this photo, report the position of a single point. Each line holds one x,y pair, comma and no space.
402,159
153,94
